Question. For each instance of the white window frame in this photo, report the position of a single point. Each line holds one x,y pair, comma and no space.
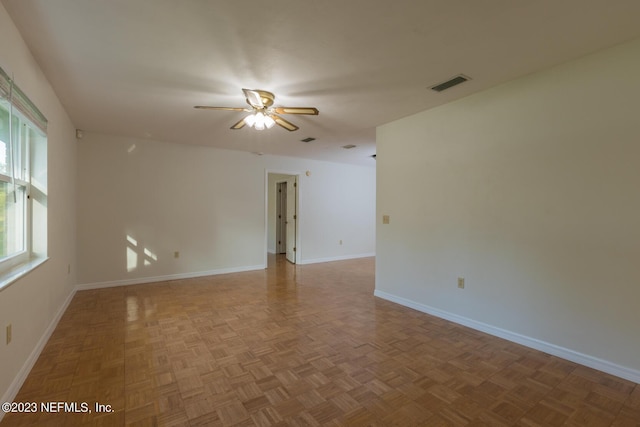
20,173
19,159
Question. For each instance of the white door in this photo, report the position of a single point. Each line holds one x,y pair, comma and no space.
292,192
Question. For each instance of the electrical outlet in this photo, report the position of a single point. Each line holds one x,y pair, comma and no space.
461,282
340,241
385,219
8,333
176,254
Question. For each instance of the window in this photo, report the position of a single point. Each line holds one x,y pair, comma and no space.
23,164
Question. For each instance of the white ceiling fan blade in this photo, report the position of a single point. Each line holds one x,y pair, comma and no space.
253,98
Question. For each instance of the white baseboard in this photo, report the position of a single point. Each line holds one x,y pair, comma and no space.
336,258
17,382
141,280
564,353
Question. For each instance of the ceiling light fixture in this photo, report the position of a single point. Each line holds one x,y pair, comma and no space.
259,121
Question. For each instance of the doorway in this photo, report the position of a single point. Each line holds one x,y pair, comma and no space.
282,215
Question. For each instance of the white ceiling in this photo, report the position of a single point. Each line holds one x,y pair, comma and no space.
137,67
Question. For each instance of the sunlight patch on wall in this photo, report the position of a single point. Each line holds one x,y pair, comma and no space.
132,256
149,256
136,253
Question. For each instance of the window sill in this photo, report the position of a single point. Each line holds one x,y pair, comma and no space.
19,271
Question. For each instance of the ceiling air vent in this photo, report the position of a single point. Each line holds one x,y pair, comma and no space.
348,147
450,83
309,139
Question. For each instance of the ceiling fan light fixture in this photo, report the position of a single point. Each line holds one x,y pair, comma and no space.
259,121
250,120
269,122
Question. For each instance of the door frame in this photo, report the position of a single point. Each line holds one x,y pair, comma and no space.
297,174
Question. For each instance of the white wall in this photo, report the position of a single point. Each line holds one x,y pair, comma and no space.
336,202
208,204
530,191
32,303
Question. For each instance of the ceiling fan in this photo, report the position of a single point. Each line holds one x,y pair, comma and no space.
263,114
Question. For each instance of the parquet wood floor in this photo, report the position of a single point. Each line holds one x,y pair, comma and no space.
300,346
